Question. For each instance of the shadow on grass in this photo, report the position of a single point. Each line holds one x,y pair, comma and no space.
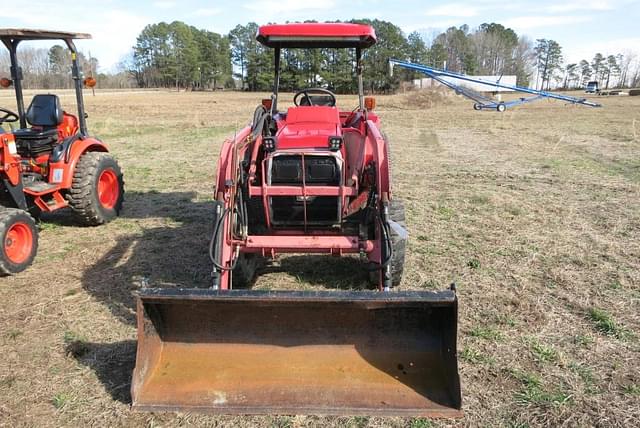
112,362
170,249
173,252
341,273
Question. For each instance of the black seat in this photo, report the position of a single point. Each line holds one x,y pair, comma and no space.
44,115
316,100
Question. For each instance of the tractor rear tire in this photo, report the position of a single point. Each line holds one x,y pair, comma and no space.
19,240
97,190
396,213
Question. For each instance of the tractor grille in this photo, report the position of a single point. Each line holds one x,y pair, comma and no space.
308,170
318,170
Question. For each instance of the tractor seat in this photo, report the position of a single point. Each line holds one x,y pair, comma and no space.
44,115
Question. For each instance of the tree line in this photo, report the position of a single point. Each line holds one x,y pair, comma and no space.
489,49
605,70
47,68
44,68
177,55
182,56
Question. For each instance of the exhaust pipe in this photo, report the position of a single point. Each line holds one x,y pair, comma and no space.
291,352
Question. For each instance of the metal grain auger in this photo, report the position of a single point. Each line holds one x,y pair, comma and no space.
458,82
311,179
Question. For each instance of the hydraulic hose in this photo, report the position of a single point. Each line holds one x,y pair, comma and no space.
214,247
386,239
259,118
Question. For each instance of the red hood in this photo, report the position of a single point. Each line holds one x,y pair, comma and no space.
309,127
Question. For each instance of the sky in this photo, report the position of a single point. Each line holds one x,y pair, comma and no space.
582,27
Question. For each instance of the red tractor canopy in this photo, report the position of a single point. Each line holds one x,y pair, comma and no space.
317,35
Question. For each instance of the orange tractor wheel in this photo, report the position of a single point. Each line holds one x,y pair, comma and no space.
19,243
97,190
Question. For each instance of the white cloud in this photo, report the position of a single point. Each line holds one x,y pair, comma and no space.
114,31
610,47
211,11
446,23
277,7
529,22
598,5
461,10
164,4
25,16
111,45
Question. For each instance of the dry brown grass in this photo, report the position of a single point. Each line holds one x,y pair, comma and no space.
534,213
424,98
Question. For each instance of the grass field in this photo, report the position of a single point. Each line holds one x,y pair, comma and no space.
533,213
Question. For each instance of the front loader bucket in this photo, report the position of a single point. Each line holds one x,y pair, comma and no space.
288,352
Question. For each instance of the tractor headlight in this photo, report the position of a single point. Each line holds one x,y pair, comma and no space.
335,143
269,143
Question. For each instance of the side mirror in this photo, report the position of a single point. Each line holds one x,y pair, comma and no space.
90,82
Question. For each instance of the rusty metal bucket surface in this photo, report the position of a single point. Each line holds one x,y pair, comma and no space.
288,352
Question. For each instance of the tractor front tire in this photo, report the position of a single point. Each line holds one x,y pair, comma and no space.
97,190
244,274
19,236
396,213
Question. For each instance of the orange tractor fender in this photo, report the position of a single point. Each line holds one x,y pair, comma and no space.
62,172
10,164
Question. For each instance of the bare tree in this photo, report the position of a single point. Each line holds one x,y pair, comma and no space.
585,72
625,62
634,81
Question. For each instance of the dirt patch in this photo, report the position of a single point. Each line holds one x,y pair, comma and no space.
425,98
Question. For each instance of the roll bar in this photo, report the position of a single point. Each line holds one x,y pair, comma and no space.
11,38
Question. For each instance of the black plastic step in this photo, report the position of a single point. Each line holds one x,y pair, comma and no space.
40,186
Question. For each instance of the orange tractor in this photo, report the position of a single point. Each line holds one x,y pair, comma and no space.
49,161
312,178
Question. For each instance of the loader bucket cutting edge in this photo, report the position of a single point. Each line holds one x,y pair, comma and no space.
289,352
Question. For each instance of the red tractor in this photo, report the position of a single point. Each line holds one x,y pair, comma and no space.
309,179
49,161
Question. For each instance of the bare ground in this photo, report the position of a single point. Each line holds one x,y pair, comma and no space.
534,213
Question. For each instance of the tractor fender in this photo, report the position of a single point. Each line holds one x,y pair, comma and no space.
62,171
9,160
380,155
11,177
225,168
61,151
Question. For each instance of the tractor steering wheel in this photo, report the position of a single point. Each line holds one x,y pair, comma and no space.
324,93
8,116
